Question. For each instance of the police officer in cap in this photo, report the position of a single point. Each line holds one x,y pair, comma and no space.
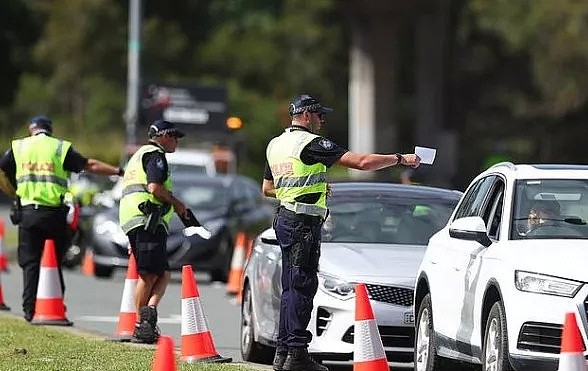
38,167
295,173
146,209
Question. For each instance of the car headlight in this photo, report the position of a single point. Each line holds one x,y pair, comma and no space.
336,287
544,284
113,231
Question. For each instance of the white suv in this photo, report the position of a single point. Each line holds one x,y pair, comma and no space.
496,282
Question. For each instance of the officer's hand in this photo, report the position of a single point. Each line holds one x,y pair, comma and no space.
411,159
180,209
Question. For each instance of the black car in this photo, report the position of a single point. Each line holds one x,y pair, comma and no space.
224,204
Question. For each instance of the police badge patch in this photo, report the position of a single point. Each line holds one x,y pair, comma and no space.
159,163
325,143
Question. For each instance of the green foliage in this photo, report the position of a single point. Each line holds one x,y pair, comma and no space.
553,34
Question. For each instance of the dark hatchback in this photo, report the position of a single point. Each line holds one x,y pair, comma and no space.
225,204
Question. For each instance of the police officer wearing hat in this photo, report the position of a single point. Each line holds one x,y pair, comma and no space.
38,167
146,209
295,173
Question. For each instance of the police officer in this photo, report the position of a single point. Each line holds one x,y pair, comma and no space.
146,208
38,167
297,162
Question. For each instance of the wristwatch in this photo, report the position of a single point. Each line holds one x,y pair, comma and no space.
398,158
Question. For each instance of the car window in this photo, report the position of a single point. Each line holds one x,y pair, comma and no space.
473,200
493,214
382,218
550,208
209,196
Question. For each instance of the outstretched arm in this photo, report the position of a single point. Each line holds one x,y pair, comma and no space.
102,168
376,161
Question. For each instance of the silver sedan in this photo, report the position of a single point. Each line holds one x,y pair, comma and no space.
376,234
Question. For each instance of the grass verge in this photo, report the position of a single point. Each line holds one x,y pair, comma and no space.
25,347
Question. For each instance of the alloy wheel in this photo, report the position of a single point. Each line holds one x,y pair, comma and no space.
492,346
423,342
246,324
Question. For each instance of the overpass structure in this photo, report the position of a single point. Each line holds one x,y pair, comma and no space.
398,81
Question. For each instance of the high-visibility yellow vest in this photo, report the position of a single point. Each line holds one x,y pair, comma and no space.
135,192
40,176
292,177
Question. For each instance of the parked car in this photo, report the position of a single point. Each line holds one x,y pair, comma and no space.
375,234
496,282
225,204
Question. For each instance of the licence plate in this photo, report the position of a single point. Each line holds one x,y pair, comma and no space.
408,318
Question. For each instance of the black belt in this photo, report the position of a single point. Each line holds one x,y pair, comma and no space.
314,219
41,207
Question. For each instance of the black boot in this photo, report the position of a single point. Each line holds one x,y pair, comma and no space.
299,360
146,330
279,359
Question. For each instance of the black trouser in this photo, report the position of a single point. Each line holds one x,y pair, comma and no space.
36,226
299,237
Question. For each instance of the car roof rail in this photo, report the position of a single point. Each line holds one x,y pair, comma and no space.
508,164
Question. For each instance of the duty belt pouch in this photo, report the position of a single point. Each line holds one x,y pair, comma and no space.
16,211
153,213
305,253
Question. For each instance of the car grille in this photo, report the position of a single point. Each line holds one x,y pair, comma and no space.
540,337
390,294
392,336
323,319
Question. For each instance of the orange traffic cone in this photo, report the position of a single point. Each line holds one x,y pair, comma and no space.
128,311
165,359
197,343
237,263
3,257
88,263
49,308
368,350
571,356
3,306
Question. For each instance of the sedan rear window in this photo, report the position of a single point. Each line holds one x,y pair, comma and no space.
381,218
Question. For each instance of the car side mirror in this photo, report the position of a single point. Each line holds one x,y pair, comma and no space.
471,228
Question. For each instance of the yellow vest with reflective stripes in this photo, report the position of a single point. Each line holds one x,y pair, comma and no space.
135,192
292,177
40,176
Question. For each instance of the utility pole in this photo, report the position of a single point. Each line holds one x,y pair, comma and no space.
133,70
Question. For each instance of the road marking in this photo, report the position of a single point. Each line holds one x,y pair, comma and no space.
172,320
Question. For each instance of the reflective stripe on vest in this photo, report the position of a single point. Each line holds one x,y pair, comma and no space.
293,178
40,176
135,192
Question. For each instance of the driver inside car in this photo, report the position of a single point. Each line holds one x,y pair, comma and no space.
542,213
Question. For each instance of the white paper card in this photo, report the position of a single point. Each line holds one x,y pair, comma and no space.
426,154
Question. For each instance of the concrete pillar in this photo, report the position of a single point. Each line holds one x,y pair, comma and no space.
372,82
361,92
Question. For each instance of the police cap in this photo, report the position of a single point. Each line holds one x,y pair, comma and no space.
41,122
306,102
163,127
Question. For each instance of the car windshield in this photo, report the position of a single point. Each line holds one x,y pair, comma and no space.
187,168
364,217
203,196
550,208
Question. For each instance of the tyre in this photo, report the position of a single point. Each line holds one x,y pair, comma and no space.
251,351
495,353
425,348
102,271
